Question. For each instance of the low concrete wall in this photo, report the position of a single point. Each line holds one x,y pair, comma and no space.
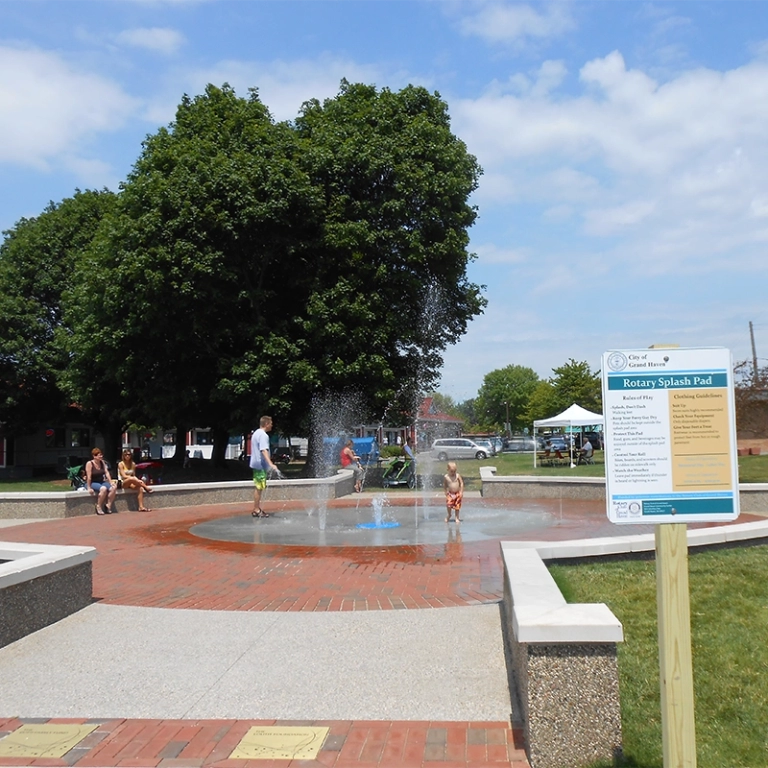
564,667
76,503
40,585
753,497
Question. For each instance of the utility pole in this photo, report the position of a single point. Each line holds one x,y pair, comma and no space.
754,353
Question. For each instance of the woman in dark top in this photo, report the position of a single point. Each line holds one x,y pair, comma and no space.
99,483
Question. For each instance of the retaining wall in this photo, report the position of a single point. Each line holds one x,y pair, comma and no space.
76,503
564,667
41,584
753,497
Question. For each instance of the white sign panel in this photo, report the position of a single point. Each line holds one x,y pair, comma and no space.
670,436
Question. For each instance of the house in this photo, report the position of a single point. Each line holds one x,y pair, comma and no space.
54,447
431,424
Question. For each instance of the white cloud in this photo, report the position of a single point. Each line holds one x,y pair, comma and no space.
500,22
158,39
608,221
490,253
677,171
48,107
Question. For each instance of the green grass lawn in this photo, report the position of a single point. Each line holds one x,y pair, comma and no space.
729,628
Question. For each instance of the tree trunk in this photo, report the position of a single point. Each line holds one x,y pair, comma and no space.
220,442
181,444
112,433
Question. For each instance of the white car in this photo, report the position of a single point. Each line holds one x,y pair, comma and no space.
488,445
457,448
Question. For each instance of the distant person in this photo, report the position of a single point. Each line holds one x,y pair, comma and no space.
453,485
261,463
587,452
126,471
407,450
350,460
187,461
98,482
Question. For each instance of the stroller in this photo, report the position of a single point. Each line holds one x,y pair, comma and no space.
76,476
401,471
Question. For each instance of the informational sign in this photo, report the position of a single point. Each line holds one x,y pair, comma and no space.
670,435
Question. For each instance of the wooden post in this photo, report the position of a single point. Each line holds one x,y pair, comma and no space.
675,663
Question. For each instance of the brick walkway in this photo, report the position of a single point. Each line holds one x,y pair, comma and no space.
153,560
196,743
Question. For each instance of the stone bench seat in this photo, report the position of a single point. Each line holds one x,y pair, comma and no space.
76,503
564,665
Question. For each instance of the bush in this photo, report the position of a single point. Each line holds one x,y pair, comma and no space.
388,451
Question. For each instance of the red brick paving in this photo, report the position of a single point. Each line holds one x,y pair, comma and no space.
152,560
349,744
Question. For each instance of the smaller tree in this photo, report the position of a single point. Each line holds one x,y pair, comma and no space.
542,403
38,264
573,382
505,395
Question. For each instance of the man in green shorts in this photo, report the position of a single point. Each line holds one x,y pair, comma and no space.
261,463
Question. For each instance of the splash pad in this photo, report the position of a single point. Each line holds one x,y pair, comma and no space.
404,521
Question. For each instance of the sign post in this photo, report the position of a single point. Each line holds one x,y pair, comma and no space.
671,459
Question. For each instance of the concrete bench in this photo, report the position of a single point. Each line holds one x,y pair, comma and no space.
76,503
564,666
753,497
41,584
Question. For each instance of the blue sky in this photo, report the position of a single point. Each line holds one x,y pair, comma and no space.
624,200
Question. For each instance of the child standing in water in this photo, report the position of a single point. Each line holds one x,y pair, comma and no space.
453,485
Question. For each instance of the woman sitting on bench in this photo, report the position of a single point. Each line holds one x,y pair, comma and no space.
126,470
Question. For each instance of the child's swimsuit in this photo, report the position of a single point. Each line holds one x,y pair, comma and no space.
453,500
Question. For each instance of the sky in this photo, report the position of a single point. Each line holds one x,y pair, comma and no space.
624,145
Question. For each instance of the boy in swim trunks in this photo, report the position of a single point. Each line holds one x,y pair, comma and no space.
261,462
453,485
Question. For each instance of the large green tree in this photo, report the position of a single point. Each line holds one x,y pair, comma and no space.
506,392
38,264
188,287
389,289
251,265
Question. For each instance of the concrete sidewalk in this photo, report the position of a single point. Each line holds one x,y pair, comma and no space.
112,661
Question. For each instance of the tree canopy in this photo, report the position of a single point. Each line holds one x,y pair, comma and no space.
506,391
248,264
572,382
38,259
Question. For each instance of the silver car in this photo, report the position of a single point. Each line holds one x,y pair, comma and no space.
488,445
457,448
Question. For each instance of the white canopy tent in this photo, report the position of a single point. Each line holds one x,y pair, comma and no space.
573,416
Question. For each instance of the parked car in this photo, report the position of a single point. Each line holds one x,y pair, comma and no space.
487,444
556,443
457,448
520,443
